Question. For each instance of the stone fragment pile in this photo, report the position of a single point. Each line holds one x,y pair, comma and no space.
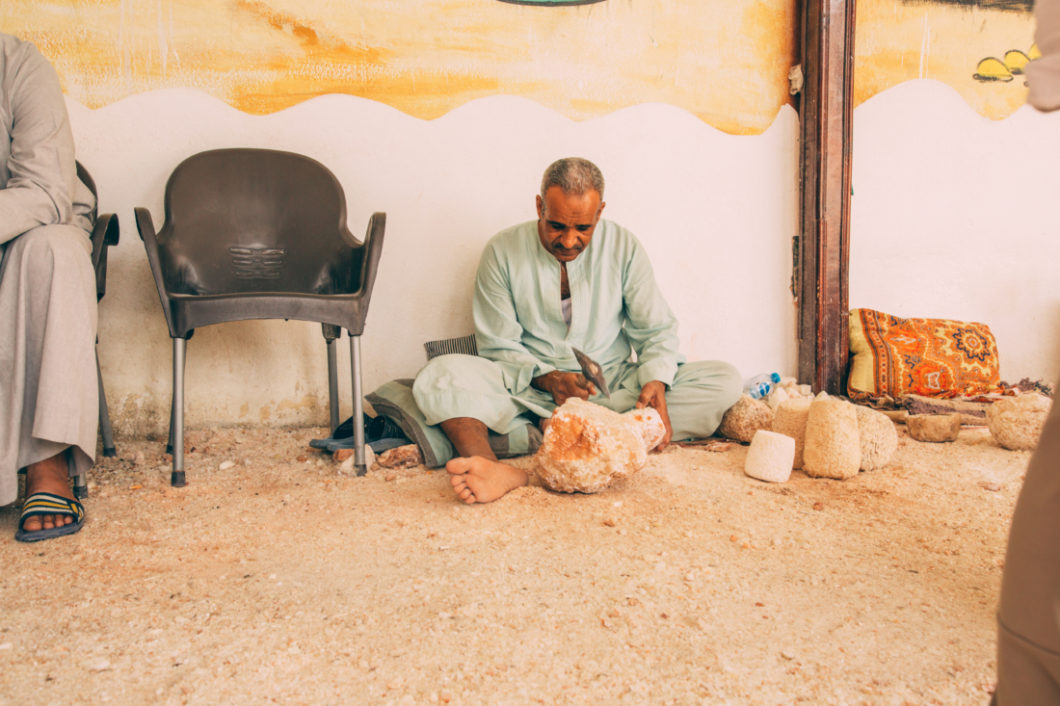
824,436
749,415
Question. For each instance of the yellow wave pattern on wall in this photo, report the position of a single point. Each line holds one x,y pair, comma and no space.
725,61
899,40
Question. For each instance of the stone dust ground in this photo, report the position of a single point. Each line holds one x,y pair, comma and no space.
273,578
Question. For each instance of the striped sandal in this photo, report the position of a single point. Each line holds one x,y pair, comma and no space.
49,504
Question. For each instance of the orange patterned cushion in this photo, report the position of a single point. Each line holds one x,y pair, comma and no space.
930,357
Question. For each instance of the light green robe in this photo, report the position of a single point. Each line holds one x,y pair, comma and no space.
48,383
617,308
619,318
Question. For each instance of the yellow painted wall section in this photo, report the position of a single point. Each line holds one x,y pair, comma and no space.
725,61
951,42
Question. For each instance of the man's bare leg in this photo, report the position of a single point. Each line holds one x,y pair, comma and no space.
48,476
477,476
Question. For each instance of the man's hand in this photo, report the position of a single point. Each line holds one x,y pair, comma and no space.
564,385
653,395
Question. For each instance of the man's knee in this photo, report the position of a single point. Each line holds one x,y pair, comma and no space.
453,371
47,247
447,381
722,380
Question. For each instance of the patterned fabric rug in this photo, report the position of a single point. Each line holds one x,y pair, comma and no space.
895,357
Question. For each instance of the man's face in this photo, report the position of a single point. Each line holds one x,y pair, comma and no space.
565,222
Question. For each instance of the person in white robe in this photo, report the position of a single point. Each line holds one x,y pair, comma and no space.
48,385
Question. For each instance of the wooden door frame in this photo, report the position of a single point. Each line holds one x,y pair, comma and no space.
826,53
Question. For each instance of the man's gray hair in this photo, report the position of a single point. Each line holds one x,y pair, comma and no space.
573,175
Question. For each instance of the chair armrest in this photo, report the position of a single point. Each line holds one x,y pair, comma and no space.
373,248
144,223
104,234
112,228
146,228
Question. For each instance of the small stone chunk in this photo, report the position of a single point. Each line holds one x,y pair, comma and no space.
746,417
346,457
833,446
934,427
1016,422
770,456
405,456
878,437
776,397
341,455
99,664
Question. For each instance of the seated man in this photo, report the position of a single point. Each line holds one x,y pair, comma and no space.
48,384
568,280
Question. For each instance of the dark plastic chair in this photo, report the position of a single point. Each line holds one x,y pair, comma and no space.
260,234
104,234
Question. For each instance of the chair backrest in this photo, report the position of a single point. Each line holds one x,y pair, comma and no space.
256,220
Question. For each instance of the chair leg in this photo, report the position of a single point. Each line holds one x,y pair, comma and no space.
333,384
360,468
173,405
80,484
176,422
172,415
105,429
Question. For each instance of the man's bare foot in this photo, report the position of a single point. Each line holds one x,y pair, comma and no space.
481,480
48,476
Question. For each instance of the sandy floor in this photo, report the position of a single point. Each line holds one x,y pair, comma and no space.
274,578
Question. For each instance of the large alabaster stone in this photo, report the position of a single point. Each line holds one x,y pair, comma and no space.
833,445
588,447
1016,422
879,438
789,419
746,417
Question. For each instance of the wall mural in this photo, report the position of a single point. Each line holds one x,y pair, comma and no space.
551,2
1019,5
725,61
977,47
1008,67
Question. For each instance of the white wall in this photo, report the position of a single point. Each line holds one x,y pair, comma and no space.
957,216
716,213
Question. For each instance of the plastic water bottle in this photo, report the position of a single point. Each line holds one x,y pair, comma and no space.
760,385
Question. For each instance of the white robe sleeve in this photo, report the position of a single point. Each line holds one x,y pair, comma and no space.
39,158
